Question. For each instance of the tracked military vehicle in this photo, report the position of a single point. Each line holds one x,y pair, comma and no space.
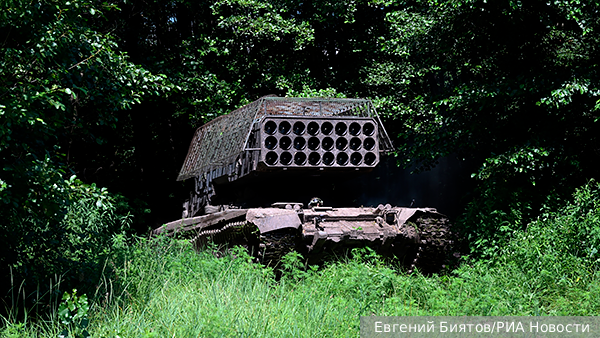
277,175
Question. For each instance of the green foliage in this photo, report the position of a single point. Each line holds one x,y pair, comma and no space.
483,90
63,80
92,220
513,86
554,255
146,266
561,247
366,255
59,65
257,20
14,330
493,215
507,165
72,313
69,248
294,267
309,92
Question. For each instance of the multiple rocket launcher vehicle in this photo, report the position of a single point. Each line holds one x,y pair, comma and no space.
255,174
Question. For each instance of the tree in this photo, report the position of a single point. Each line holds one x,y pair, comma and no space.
61,80
513,84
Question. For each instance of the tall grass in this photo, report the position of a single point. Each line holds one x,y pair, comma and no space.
163,288
172,291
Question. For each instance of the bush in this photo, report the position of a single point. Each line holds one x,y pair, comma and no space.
561,248
56,239
495,212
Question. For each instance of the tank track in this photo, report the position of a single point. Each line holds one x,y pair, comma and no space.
235,233
429,253
269,248
274,245
434,246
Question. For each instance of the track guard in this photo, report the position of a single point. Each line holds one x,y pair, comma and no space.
272,219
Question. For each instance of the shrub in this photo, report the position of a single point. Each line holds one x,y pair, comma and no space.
561,248
58,240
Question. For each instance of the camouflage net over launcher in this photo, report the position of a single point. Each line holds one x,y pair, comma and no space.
219,142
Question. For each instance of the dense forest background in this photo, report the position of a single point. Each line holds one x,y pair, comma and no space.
100,98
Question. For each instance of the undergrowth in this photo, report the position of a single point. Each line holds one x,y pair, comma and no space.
163,288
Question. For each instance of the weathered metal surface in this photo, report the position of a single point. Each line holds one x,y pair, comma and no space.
271,219
421,235
235,145
323,142
217,145
288,205
317,106
378,226
200,222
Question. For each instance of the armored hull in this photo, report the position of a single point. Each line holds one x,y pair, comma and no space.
420,237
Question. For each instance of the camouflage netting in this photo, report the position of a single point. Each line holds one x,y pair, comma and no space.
219,142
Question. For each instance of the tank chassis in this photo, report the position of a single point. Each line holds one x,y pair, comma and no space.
287,149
